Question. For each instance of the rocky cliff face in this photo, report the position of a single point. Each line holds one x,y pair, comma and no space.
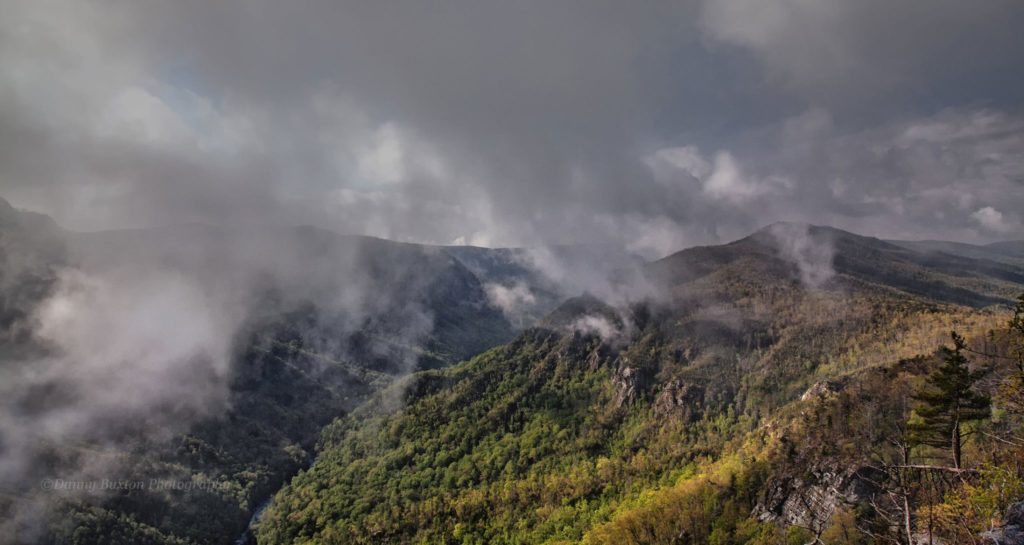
823,390
626,381
809,500
680,399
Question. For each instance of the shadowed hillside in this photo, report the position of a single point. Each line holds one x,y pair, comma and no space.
672,419
311,323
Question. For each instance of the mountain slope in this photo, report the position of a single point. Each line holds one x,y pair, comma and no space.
1011,252
553,438
322,322
646,423
374,286
530,282
565,434
816,255
31,249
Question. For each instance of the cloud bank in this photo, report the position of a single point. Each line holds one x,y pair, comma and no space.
653,126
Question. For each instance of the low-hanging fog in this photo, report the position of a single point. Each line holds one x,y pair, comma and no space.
208,167
139,333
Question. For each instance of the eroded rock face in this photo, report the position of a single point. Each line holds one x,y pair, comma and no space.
1012,531
812,499
588,348
823,390
626,381
599,356
633,380
680,399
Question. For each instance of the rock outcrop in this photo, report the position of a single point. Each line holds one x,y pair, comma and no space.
1012,530
626,382
681,400
810,500
823,390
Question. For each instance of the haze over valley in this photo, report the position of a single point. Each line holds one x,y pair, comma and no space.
705,272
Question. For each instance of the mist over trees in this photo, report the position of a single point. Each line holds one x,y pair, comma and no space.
474,272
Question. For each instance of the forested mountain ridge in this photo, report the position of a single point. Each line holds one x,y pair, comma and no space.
316,322
548,440
1011,251
815,254
759,400
665,380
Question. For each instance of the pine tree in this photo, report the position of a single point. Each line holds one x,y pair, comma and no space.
1016,327
947,402
1010,395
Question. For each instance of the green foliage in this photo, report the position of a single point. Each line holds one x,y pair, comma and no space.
679,432
976,505
282,396
680,435
842,530
1011,392
524,444
712,507
91,525
1016,328
948,402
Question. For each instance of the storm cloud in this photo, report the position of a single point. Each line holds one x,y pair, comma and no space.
656,125
653,126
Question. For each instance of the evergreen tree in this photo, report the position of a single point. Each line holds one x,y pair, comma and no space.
1010,395
947,402
1016,327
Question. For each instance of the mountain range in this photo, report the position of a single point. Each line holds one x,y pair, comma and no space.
402,393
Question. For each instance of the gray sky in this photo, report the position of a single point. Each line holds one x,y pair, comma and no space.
654,124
